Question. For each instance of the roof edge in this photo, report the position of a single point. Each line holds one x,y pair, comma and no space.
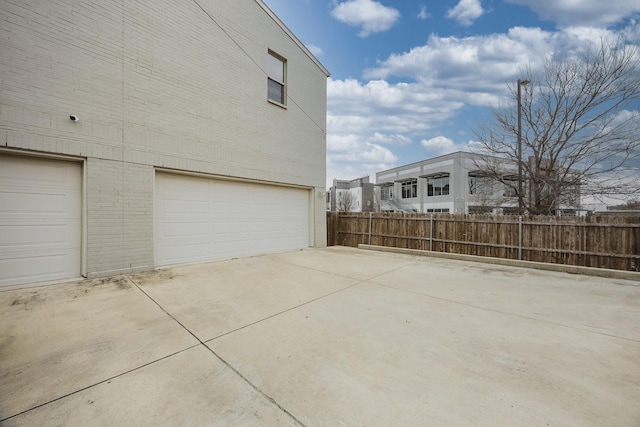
293,37
454,154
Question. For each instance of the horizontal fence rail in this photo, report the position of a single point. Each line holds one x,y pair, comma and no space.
601,242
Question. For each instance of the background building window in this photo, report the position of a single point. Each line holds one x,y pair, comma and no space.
438,185
510,188
387,192
276,80
410,189
481,185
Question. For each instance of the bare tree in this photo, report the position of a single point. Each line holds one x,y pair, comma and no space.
345,201
580,134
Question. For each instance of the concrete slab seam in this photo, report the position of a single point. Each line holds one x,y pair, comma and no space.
256,388
360,282
99,382
133,282
227,364
284,311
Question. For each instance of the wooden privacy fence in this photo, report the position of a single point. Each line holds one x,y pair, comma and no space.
602,242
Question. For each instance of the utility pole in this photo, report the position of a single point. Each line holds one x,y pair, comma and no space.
520,195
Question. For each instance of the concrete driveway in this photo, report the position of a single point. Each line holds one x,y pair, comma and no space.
324,337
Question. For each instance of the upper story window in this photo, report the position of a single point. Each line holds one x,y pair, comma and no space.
410,189
510,187
276,82
438,185
480,184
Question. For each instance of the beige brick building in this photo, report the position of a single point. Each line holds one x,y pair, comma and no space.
199,134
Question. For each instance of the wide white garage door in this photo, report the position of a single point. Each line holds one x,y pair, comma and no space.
40,219
198,219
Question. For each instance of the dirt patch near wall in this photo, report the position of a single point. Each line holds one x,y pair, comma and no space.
155,276
27,299
120,282
98,285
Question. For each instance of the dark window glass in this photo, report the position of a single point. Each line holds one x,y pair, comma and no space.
276,91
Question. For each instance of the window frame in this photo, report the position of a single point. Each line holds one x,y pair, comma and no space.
481,185
438,185
409,189
386,192
273,79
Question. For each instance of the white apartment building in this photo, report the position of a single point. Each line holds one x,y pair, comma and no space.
356,195
139,134
446,184
455,183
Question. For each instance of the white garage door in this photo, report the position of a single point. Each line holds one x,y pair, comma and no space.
40,219
198,219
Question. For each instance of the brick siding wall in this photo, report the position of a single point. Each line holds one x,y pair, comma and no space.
157,84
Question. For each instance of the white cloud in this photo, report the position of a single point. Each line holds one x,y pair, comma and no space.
369,15
471,70
466,11
439,143
390,139
390,109
369,122
315,50
423,14
598,13
350,156
474,70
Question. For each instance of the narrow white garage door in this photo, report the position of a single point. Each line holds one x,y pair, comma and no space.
40,219
198,219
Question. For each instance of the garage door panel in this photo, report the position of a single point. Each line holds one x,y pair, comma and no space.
184,229
230,228
183,206
242,218
29,235
40,219
33,269
52,174
232,241
179,184
228,213
182,252
185,241
34,203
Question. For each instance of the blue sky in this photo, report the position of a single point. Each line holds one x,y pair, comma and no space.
411,79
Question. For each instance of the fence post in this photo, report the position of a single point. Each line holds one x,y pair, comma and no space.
520,238
370,213
431,233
